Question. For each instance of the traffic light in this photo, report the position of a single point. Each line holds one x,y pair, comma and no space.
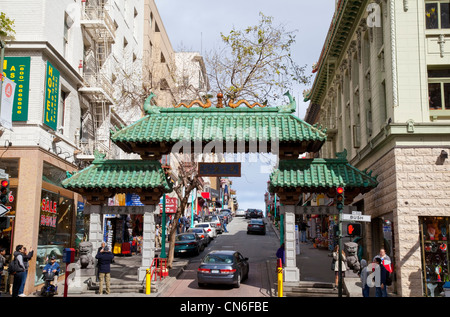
354,229
340,198
4,192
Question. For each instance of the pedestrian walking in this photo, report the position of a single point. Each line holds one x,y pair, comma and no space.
281,253
104,258
17,269
336,264
363,276
303,227
158,236
2,264
225,222
381,291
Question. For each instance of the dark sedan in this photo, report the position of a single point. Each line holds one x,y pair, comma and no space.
223,267
188,243
256,225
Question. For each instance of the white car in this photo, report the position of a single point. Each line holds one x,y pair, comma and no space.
240,213
209,228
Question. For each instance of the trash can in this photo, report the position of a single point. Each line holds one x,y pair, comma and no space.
447,289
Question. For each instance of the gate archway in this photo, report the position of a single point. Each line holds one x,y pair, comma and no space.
232,128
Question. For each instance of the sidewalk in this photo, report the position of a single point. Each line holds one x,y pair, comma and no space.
315,265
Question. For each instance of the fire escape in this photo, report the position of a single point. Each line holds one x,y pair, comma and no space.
99,36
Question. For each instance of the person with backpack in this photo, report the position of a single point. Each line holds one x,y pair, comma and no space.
17,269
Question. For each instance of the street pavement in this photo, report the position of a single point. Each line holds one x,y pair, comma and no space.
313,263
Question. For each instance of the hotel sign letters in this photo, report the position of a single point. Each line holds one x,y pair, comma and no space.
51,96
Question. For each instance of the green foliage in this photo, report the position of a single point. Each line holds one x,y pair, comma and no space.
256,62
6,26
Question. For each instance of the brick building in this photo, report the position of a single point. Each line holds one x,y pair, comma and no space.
381,92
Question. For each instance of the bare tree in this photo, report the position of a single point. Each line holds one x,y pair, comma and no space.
255,63
188,181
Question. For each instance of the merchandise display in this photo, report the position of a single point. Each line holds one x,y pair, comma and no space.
435,254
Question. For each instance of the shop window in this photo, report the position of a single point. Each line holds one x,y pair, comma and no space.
437,15
435,255
53,175
55,229
439,89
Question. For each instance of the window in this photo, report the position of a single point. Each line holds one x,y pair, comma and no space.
437,15
439,89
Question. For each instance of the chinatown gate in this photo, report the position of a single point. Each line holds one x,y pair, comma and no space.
199,128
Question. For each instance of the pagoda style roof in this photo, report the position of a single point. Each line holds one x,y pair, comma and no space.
294,177
104,178
157,132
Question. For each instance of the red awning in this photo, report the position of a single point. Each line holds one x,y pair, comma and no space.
206,195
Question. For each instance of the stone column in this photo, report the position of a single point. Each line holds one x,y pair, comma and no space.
95,227
291,271
148,243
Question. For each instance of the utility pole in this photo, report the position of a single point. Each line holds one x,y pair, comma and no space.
2,57
340,207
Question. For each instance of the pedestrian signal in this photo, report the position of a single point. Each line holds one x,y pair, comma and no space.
4,191
354,229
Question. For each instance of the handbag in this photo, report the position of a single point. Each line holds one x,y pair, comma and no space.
333,264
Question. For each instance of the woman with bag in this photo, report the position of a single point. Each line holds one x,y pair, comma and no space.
336,264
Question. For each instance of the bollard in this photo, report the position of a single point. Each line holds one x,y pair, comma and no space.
148,280
280,278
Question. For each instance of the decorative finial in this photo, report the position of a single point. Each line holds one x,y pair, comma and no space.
219,100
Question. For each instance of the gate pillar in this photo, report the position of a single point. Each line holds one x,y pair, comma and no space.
292,273
148,243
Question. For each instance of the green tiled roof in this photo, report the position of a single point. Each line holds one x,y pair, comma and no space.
320,173
218,124
119,174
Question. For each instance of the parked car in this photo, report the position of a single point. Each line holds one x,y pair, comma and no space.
256,225
223,267
215,220
240,213
188,243
210,229
201,232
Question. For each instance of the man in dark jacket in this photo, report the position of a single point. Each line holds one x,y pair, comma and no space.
381,291
20,273
104,258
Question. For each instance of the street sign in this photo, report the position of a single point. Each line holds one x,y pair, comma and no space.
356,217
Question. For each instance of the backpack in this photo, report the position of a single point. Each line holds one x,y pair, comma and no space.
14,266
388,278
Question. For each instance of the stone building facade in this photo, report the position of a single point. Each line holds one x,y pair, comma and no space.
380,90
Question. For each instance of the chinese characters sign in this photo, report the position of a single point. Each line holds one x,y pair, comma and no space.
219,169
51,96
48,213
18,70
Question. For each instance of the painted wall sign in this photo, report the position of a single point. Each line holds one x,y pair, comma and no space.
51,96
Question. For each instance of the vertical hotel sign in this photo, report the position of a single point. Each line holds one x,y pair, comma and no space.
51,96
18,70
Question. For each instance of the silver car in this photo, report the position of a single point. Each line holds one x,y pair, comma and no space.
209,228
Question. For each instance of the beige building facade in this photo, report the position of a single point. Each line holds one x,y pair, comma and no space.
381,90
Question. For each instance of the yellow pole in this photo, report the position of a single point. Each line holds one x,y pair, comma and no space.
280,278
148,282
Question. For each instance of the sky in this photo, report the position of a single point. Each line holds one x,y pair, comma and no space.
195,25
